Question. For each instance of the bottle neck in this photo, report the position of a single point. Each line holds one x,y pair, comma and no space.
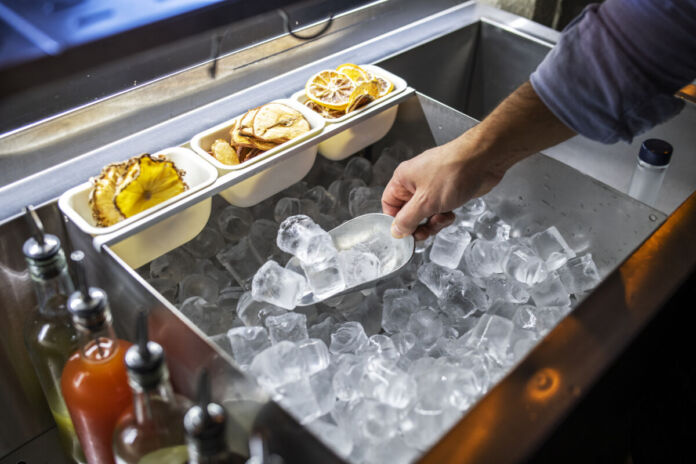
144,398
52,285
98,345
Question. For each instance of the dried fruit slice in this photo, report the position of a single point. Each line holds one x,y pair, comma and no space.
148,182
245,123
101,197
354,72
385,86
324,112
278,123
330,89
222,151
241,140
363,94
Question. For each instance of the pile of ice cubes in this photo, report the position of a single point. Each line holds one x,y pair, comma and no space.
378,375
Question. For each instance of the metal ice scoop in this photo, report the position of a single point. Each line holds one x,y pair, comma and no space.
396,253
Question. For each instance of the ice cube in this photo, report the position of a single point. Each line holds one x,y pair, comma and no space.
381,245
296,190
369,314
213,270
262,235
203,314
525,318
358,267
426,326
302,237
168,288
252,312
492,336
349,337
277,365
550,292
323,199
322,388
386,383
358,168
439,279
549,316
174,265
234,222
314,354
398,305
372,422
522,264
396,449
383,347
287,207
552,248
289,326
502,288
363,200
383,169
489,226
422,430
403,342
580,274
484,258
341,189
325,278
277,285
346,381
206,244
198,285
449,245
322,330
239,261
298,398
247,342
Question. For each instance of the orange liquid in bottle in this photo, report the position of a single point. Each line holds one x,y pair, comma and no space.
95,389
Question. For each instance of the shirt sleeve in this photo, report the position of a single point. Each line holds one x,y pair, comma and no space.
614,72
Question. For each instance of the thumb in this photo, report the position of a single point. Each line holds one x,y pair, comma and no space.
408,217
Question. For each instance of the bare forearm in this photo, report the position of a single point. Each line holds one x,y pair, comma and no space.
520,126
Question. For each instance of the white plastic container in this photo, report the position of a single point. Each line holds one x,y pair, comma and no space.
291,168
367,132
162,237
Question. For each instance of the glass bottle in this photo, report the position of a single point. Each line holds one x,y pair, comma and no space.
205,425
152,431
653,160
94,382
49,335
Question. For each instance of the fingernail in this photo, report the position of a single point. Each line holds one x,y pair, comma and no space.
396,232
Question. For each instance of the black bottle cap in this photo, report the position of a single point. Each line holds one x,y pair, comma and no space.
205,422
145,360
40,246
88,305
655,152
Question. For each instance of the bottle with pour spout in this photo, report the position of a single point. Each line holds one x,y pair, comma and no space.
152,431
205,425
94,381
49,335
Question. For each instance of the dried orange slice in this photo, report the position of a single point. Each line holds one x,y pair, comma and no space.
330,89
354,72
363,94
384,86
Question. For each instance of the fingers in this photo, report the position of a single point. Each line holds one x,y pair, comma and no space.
395,196
407,219
434,225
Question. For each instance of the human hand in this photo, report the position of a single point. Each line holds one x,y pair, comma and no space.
434,183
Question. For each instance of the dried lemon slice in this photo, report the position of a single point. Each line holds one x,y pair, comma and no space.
363,94
330,89
385,86
101,197
148,182
354,72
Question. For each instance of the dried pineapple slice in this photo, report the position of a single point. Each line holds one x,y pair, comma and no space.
101,197
148,182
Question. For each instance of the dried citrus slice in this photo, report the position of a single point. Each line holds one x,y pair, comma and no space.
385,86
330,89
354,72
148,182
363,94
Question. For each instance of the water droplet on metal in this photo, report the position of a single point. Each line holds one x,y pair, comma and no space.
652,217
